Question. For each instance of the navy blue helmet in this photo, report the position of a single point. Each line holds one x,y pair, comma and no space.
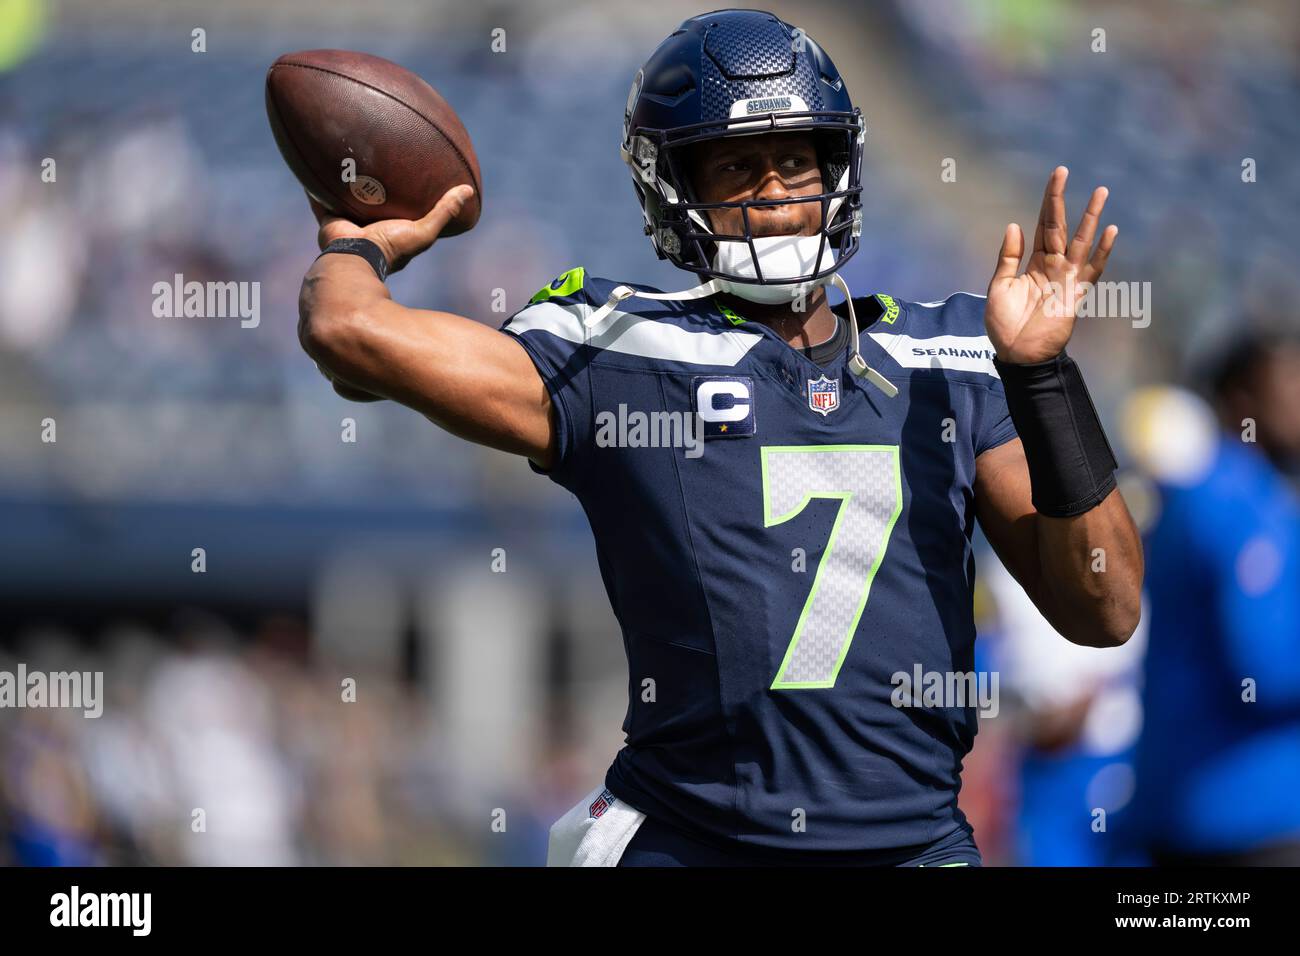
740,73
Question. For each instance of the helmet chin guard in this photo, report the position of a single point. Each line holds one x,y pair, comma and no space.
781,259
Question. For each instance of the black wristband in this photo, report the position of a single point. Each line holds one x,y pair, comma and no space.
1071,464
365,249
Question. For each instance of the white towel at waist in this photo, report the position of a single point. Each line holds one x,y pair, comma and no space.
595,831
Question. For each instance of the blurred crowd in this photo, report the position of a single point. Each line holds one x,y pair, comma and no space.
228,746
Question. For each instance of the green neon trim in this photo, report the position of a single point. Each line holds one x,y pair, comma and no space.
891,308
566,283
843,496
729,315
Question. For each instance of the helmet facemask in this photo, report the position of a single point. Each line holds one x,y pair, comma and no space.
763,269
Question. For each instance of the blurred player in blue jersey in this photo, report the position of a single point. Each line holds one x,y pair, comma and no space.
1218,762
782,491
1074,716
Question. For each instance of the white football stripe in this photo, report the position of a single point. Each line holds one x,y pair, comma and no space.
633,335
967,353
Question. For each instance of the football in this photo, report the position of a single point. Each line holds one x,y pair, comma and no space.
406,145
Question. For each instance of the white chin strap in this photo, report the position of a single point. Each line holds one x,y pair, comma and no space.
857,364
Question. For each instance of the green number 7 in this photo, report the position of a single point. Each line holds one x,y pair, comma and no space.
866,479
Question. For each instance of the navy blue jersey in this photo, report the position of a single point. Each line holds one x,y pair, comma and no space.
772,578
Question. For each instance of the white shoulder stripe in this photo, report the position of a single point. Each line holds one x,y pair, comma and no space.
934,305
562,321
632,335
967,353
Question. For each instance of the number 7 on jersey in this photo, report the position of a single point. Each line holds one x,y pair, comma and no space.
867,481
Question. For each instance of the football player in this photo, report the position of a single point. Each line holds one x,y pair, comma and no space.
778,586
1217,780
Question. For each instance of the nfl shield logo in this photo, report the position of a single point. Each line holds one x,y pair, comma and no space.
823,395
601,804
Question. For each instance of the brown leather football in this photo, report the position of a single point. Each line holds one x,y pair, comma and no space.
409,146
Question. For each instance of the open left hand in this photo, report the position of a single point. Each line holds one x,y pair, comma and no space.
1029,316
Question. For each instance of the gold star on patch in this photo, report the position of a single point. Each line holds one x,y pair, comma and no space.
722,428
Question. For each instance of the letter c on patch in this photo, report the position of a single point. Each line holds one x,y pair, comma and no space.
706,401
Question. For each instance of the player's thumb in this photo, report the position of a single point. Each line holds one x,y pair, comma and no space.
402,239
446,209
1013,247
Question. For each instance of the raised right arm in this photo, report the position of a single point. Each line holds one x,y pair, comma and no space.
463,376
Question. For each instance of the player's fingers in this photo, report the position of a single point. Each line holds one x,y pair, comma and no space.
317,210
355,394
1081,244
350,392
324,217
1013,247
331,225
1097,264
1049,237
448,207
402,239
